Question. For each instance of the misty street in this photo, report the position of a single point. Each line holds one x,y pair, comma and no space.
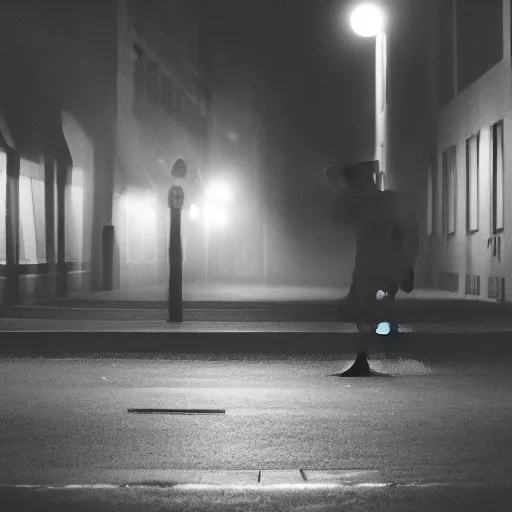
255,255
424,421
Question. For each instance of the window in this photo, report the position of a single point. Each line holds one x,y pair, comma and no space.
178,102
3,207
139,70
497,199
449,190
141,232
75,216
152,84
472,153
167,94
32,213
430,201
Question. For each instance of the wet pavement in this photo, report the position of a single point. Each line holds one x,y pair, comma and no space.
425,420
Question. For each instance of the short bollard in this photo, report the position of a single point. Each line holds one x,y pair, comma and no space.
176,197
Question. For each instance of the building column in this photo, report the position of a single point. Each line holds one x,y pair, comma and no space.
62,275
49,201
11,290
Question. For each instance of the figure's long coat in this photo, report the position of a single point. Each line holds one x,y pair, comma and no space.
387,241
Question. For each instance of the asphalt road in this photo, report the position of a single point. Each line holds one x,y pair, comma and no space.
432,429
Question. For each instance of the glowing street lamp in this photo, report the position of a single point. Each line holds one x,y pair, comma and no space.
367,20
219,193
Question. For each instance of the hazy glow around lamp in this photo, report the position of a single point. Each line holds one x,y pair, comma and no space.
194,213
219,192
367,20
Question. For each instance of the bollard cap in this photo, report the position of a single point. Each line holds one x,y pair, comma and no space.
176,197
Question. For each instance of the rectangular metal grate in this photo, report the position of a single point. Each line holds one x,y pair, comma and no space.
177,411
472,284
449,281
496,288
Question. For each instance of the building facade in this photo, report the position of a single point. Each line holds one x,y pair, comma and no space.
163,113
470,183
447,134
100,98
236,156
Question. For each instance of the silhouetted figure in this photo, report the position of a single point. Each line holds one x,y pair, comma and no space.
386,241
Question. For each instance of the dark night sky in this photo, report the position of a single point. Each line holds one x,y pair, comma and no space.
320,80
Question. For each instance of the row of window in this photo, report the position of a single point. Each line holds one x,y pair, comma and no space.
176,20
32,213
473,200
160,89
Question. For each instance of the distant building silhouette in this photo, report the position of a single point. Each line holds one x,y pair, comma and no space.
99,100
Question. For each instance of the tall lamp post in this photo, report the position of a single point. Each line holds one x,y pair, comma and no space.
368,20
176,198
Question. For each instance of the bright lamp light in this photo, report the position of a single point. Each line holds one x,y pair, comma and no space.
219,192
367,20
220,219
194,212
215,214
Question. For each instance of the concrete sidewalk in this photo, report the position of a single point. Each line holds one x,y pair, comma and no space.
248,309
419,306
223,292
35,325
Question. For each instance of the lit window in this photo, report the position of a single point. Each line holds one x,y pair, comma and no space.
32,213
3,206
472,183
430,201
449,189
141,232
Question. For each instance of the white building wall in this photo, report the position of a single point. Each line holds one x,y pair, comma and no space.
484,103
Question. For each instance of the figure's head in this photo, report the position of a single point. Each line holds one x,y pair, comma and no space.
353,179
336,176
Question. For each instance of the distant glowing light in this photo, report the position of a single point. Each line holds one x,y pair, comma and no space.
219,192
384,328
194,212
214,214
367,20
141,208
220,219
